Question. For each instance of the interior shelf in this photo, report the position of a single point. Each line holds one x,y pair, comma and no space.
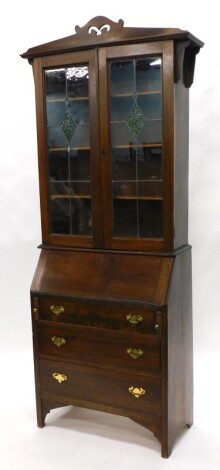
70,196
128,146
143,198
63,149
141,93
61,100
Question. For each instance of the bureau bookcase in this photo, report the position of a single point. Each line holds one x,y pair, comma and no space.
111,297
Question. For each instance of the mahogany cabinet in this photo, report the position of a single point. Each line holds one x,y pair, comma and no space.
111,296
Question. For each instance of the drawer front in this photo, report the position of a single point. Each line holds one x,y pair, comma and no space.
99,386
102,348
133,319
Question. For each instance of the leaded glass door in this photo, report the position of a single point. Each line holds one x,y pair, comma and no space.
134,80
71,153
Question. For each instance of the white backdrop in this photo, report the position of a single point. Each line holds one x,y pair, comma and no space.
25,24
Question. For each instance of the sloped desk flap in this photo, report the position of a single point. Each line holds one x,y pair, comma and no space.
109,276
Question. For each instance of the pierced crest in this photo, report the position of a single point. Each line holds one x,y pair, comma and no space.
103,29
99,25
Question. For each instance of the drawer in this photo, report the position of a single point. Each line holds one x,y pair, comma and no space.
93,385
129,318
99,347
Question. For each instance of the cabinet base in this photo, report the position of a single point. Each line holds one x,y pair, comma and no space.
148,421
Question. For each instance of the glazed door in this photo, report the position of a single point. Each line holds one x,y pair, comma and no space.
68,126
136,109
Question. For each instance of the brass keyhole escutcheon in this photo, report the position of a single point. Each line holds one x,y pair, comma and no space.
134,319
58,341
57,309
59,377
136,392
135,353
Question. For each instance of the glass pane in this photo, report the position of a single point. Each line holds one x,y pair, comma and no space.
81,137
149,163
80,165
58,166
60,215
68,138
151,132
150,190
121,135
77,82
150,106
122,77
150,219
123,164
80,111
56,138
55,84
81,219
120,107
82,190
136,140
124,189
55,112
58,189
125,218
148,74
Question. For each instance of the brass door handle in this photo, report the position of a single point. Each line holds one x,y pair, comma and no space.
58,341
59,377
57,309
136,392
135,353
134,319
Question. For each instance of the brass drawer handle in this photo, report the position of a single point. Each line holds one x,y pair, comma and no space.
135,353
58,341
134,319
57,309
59,377
136,392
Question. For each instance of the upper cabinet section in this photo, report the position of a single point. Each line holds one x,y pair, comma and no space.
111,137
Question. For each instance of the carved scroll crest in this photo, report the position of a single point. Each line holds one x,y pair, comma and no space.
99,25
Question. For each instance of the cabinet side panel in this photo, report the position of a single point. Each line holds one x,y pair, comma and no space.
41,138
168,144
39,405
181,164
180,348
